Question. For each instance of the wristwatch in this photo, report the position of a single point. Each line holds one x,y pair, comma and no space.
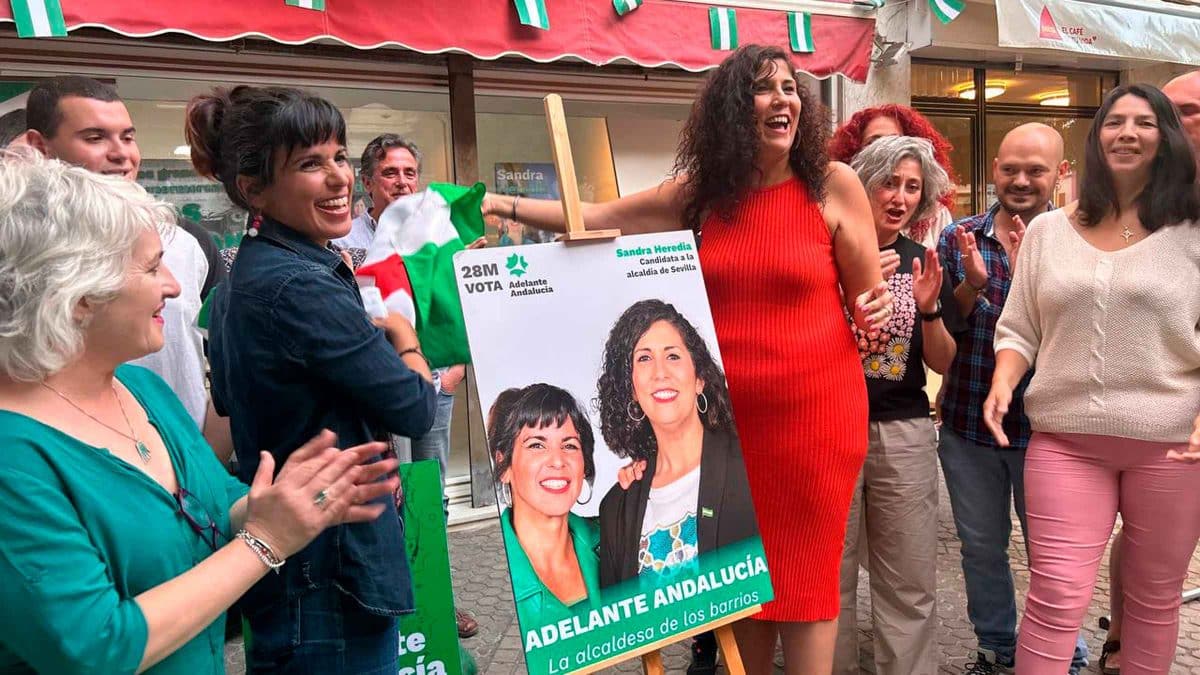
934,315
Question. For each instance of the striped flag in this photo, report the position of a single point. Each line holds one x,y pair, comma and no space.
411,262
533,13
800,32
39,18
624,7
722,23
318,5
946,10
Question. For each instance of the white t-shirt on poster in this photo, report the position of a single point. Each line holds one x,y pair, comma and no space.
669,526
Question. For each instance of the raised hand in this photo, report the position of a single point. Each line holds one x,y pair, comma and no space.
972,261
319,486
889,262
927,281
1014,240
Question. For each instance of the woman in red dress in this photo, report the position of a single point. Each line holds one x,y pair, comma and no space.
788,247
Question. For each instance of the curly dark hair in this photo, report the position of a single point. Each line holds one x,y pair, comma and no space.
847,141
635,439
537,406
719,143
1170,195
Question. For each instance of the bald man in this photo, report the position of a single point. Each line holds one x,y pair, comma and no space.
1184,92
985,481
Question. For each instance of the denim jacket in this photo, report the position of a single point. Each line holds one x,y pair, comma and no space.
293,352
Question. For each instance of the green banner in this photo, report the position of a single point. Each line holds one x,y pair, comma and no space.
650,608
428,636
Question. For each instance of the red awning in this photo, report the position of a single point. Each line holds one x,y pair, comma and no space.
661,32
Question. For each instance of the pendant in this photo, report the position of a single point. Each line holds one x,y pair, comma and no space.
143,452
1127,234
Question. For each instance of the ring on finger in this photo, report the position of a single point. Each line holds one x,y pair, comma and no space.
320,498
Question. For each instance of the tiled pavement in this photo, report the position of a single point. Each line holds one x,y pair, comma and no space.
481,586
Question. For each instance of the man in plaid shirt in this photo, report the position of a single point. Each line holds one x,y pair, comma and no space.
979,252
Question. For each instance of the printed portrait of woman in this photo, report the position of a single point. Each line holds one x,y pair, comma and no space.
542,450
664,405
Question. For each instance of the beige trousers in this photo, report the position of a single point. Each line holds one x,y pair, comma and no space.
895,509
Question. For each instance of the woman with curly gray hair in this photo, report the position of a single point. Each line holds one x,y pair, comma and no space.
122,538
895,499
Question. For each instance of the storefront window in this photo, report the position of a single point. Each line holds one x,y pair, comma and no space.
1063,99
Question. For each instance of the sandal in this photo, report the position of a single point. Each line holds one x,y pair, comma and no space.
467,625
1111,647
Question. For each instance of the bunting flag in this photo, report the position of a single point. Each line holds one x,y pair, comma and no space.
946,10
533,13
722,23
411,261
800,32
39,18
624,7
318,5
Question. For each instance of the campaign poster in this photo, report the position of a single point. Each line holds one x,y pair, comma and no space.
537,180
428,636
624,505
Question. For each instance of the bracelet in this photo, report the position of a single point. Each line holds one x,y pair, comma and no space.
418,352
262,550
514,207
972,286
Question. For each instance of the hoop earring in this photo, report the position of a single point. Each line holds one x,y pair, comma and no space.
591,493
252,229
629,411
701,398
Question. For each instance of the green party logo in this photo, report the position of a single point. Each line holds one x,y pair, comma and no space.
516,265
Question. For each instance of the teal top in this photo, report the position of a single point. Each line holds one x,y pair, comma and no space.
83,532
536,605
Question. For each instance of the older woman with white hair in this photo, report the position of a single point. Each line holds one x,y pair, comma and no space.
122,539
895,500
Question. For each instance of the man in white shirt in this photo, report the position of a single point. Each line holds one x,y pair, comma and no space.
84,122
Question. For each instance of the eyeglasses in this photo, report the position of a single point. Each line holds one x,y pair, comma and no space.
189,507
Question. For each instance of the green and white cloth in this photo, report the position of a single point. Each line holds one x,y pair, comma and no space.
722,23
39,18
533,13
946,10
800,32
624,7
318,5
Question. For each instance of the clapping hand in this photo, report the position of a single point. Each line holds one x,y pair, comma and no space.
927,281
1014,240
972,262
319,486
889,262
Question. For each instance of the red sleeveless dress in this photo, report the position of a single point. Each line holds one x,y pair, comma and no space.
799,396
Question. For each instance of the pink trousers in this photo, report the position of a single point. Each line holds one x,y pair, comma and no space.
1074,486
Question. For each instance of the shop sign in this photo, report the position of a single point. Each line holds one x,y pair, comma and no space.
1152,30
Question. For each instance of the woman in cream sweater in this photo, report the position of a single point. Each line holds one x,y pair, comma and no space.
1106,304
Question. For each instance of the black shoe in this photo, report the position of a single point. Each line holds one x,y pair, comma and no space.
704,655
985,664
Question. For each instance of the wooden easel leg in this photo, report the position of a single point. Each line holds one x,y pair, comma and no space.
652,663
729,649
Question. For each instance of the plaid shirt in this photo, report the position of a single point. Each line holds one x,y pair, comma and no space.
970,376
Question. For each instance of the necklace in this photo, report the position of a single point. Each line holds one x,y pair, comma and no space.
1128,234
142,450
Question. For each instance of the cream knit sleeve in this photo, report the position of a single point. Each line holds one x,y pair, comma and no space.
1019,327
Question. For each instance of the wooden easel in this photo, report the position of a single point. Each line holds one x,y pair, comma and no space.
564,163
